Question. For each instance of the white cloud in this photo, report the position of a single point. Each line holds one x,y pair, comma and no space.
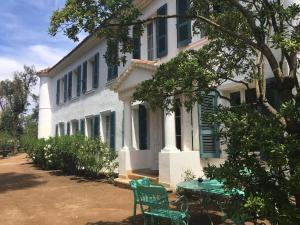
8,66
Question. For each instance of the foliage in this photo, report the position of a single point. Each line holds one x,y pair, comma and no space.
188,175
73,155
259,152
7,141
14,99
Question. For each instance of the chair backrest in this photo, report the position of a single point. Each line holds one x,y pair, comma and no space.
156,197
135,183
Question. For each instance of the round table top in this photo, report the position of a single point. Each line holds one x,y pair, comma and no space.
208,186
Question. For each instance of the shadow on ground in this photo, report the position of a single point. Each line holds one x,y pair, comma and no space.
17,181
196,219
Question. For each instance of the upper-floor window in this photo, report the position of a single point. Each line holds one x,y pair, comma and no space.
65,83
70,84
136,54
57,92
84,77
95,65
150,41
112,70
162,32
184,35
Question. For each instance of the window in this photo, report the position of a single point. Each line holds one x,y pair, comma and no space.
84,77
272,94
79,82
150,41
70,85
68,128
162,32
235,98
143,128
96,126
183,25
61,129
109,128
178,125
112,70
74,127
210,147
95,64
250,95
82,126
65,87
56,130
57,92
136,54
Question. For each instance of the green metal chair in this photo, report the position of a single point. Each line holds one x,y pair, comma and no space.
154,205
134,184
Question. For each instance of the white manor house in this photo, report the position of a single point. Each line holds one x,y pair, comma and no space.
81,93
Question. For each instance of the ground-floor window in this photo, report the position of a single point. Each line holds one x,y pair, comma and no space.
143,127
74,127
108,128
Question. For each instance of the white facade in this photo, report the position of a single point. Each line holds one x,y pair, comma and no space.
165,149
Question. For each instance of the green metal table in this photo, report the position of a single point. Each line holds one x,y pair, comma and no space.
211,191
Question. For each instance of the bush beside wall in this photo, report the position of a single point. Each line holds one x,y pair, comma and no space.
74,155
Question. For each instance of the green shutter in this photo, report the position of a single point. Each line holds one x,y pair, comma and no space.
272,94
84,77
57,92
78,80
70,85
184,31
63,130
112,138
68,128
56,130
112,70
162,32
210,146
65,87
142,127
82,126
96,71
136,54
96,126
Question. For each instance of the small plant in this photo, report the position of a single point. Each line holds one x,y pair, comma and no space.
189,175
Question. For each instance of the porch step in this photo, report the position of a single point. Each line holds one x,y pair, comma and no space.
124,183
135,176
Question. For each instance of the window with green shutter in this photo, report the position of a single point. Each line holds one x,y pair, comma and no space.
78,90
68,128
184,31
235,98
96,124
162,32
272,94
57,92
96,71
112,136
82,126
84,77
70,85
112,70
143,128
136,54
209,143
65,87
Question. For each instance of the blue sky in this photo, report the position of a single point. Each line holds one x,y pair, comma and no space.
24,37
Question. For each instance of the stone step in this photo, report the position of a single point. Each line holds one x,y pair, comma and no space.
136,176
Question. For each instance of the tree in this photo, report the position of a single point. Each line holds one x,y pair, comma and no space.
14,99
245,39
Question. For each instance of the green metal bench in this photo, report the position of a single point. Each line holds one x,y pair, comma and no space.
154,205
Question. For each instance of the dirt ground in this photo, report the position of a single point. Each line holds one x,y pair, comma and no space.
29,196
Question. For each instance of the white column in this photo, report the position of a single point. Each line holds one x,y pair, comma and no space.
170,134
127,126
186,130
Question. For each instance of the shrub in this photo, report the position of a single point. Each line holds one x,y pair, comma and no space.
74,155
7,141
